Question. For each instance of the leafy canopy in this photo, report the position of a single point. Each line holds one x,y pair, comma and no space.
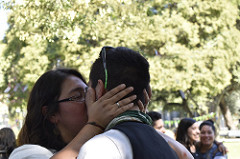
192,45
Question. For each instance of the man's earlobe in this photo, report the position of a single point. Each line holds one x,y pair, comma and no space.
100,90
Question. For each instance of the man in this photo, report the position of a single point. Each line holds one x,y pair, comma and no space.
129,135
157,121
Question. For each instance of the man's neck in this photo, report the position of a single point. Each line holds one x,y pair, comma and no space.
135,107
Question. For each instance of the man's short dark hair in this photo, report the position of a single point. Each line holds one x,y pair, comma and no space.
124,66
154,115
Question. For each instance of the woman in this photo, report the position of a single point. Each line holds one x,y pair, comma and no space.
58,120
188,135
207,148
7,142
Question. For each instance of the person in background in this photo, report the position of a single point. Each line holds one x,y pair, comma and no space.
130,135
61,115
188,135
157,121
207,148
7,142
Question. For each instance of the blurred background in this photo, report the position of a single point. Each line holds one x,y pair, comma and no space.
192,46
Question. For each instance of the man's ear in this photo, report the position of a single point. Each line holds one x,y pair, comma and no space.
149,91
100,90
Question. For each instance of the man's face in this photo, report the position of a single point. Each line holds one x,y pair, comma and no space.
159,125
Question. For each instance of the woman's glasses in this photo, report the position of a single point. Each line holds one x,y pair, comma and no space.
80,98
103,54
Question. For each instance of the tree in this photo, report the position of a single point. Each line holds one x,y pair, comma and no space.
192,45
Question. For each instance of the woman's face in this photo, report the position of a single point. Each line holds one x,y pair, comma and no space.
193,132
72,115
207,135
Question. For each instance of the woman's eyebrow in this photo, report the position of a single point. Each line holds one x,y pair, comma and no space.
76,89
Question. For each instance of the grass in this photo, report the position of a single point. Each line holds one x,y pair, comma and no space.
233,149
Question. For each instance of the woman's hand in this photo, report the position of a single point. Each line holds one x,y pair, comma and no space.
143,107
106,108
222,148
101,112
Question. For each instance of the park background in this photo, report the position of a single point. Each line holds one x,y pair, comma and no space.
192,47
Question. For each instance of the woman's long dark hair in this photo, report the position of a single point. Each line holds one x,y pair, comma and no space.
182,132
7,142
37,128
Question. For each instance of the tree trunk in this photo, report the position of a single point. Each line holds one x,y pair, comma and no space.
186,108
184,105
226,114
225,108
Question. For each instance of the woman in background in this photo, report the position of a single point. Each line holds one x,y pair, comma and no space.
7,142
207,148
188,135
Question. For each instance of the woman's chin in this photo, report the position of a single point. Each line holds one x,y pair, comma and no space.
196,139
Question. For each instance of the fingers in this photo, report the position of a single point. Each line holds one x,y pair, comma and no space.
107,104
126,101
146,99
114,91
149,91
140,106
222,148
125,104
143,107
121,94
123,108
224,151
117,93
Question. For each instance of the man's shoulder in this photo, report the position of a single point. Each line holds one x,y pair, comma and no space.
143,136
112,136
116,145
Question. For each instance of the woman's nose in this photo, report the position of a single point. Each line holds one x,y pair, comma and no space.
198,131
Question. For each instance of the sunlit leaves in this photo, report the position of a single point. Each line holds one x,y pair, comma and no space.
191,45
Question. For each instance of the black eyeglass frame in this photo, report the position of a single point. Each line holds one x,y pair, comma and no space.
74,98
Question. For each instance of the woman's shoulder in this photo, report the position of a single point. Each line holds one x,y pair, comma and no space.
220,157
30,151
211,153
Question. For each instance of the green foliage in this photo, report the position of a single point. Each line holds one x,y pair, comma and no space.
3,64
191,45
